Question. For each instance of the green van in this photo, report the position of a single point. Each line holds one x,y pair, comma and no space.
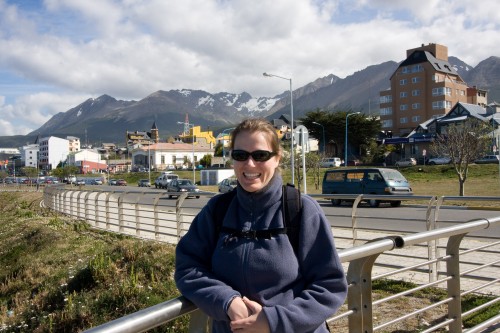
366,181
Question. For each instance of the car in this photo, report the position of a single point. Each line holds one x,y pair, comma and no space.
227,185
121,182
79,181
182,185
493,159
405,162
97,181
165,178
143,183
353,163
330,162
439,160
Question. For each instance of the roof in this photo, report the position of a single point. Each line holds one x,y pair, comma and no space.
420,56
176,147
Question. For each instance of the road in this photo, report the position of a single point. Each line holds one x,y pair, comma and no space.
404,219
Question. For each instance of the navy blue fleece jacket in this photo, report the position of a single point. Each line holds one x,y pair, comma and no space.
297,292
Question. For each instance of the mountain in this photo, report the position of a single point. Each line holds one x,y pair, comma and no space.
106,119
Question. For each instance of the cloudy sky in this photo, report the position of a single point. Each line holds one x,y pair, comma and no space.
54,54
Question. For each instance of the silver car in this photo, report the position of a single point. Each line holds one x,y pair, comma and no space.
227,185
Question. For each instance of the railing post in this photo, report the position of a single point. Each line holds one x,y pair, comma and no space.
431,245
453,270
359,297
106,202
178,213
199,322
354,219
156,218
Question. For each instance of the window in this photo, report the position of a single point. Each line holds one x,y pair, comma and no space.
416,79
385,111
403,120
385,99
416,106
403,94
387,123
403,107
417,68
405,70
441,105
415,119
403,82
415,92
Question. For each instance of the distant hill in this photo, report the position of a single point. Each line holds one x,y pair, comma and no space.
106,119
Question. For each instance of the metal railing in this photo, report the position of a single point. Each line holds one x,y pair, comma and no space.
145,214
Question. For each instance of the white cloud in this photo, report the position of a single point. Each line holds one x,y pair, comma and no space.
132,48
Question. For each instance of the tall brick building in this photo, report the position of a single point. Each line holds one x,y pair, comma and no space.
424,86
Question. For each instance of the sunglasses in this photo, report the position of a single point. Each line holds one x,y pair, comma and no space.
257,156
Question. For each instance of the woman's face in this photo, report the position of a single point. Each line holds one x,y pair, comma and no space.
253,175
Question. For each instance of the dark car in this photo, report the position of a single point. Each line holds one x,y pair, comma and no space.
227,185
121,182
143,183
182,185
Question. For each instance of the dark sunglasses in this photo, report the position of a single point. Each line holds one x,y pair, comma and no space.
258,155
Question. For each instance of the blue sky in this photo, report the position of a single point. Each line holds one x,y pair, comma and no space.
57,53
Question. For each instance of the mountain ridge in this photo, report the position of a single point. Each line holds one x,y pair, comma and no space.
106,119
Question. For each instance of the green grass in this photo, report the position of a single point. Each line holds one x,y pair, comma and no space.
59,276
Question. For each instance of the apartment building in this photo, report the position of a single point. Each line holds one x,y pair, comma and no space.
52,151
424,86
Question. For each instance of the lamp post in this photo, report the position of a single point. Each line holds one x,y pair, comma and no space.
346,120
323,128
149,161
291,121
192,141
223,150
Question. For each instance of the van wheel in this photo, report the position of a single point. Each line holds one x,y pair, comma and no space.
395,203
374,203
169,196
336,202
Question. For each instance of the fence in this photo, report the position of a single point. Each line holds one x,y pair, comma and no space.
146,214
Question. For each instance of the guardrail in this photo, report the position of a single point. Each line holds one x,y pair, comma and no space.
146,214
360,306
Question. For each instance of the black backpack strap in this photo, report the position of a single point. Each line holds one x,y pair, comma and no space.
292,214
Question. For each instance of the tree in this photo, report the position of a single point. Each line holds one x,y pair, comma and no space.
31,172
463,142
361,130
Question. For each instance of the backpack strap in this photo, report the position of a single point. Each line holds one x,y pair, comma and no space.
292,214
291,208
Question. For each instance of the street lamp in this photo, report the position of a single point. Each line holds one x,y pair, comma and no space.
192,141
223,134
345,152
291,120
323,128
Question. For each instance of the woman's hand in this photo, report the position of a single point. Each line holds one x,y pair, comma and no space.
237,309
255,323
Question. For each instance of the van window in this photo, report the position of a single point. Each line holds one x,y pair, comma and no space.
335,176
355,176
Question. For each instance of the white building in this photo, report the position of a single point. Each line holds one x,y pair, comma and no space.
74,144
53,150
29,155
163,155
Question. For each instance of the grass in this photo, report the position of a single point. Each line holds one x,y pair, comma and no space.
59,276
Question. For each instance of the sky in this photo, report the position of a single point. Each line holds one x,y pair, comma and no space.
55,54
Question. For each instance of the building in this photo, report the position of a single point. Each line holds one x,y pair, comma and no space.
53,151
161,156
424,86
74,144
88,161
29,155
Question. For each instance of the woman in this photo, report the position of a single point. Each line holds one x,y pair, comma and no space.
251,284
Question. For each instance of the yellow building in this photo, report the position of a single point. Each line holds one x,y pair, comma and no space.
203,138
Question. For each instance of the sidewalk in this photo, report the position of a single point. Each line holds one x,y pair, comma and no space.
413,255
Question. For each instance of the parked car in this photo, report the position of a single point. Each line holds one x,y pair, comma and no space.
112,182
97,181
439,160
227,185
405,162
182,185
121,182
353,163
493,159
80,181
330,162
143,183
